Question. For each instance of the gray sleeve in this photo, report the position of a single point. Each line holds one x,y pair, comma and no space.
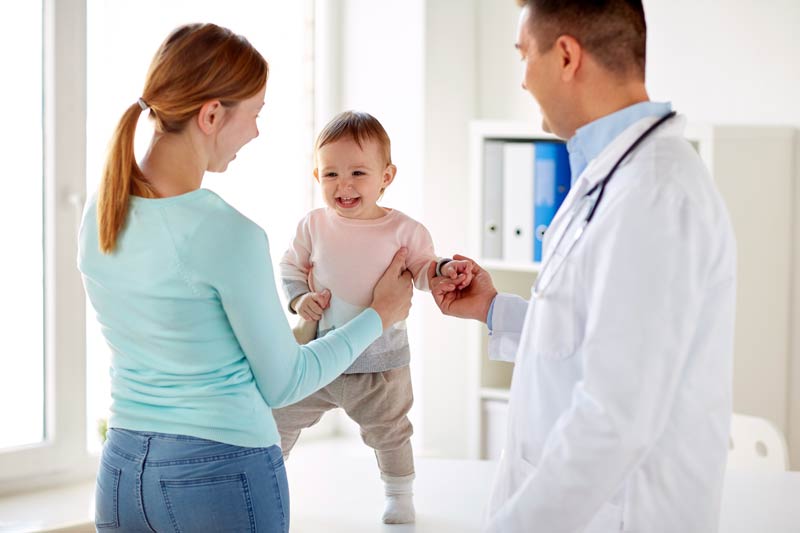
293,288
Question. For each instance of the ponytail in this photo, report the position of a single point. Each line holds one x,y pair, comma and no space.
121,178
195,64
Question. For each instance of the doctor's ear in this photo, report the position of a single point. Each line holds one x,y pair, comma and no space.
210,116
570,56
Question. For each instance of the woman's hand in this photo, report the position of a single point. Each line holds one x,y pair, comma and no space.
391,297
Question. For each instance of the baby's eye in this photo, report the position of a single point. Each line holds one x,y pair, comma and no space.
329,175
358,173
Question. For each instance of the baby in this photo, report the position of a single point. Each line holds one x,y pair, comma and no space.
329,272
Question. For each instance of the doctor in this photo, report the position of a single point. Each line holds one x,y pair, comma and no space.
621,395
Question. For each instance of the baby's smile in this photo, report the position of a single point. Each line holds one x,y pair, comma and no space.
347,202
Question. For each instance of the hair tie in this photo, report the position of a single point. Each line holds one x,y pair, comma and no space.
144,105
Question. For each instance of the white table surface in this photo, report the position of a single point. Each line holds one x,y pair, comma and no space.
336,489
344,496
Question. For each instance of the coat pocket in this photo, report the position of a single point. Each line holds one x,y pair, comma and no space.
554,332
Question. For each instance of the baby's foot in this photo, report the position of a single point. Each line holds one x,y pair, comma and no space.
399,509
399,503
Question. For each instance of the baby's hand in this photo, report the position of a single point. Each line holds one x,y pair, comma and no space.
311,305
462,270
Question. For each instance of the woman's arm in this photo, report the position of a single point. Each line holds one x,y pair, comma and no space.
240,269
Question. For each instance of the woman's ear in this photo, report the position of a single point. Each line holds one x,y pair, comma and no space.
210,116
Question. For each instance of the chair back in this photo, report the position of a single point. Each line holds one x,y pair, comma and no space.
757,443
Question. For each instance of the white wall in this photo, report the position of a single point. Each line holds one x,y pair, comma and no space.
382,50
726,62
718,61
450,97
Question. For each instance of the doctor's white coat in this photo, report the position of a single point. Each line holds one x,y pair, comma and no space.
621,396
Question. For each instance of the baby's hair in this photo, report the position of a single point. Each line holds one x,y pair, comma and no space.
360,127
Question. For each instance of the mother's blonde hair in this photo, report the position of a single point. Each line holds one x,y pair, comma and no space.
196,63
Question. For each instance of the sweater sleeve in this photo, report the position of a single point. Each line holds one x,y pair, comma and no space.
233,257
296,263
420,255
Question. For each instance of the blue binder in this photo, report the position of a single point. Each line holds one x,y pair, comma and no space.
551,185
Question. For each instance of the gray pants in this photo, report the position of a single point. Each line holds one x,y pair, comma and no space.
378,402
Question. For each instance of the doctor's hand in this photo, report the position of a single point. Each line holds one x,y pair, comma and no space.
472,301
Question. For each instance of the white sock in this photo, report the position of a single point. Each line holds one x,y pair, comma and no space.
399,503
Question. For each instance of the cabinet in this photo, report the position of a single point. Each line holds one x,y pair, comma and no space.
755,169
491,380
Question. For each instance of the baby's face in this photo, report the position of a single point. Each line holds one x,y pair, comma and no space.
352,177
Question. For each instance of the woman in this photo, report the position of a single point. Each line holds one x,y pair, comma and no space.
183,288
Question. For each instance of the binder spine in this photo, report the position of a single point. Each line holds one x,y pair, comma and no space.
492,189
518,187
551,185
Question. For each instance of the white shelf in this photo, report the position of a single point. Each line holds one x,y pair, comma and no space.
499,264
495,393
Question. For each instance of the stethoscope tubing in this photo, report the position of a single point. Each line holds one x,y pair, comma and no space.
600,188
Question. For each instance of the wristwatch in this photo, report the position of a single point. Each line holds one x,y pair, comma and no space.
440,263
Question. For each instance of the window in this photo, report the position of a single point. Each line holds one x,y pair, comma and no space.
21,232
43,429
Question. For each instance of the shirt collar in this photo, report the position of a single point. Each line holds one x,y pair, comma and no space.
590,140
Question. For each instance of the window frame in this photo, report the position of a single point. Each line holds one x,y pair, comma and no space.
62,456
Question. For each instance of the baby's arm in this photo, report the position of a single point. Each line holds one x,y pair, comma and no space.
295,266
298,284
422,262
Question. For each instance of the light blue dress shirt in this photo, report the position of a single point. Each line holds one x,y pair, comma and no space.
590,140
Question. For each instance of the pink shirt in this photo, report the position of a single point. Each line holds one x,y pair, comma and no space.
348,257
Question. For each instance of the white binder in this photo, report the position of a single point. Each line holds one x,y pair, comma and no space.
492,216
518,159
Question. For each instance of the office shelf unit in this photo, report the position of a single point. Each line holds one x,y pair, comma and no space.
755,169
491,380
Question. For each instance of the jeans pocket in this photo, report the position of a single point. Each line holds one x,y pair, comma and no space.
221,503
106,502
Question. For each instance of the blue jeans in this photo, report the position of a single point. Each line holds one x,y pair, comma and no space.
157,482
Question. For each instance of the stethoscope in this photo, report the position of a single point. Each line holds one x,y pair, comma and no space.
549,270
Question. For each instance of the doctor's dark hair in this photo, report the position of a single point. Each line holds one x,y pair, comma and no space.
196,64
614,32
